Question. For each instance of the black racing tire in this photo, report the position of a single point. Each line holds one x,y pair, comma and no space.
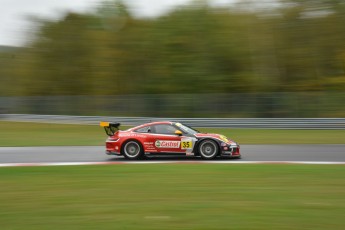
132,150
208,149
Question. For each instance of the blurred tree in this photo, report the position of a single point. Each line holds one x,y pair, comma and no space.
295,45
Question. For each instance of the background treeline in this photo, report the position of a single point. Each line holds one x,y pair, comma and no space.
279,59
295,45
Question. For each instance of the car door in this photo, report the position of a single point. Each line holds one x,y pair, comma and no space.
165,139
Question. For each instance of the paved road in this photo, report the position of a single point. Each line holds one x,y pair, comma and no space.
334,153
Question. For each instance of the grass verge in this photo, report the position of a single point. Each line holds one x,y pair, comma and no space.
38,134
183,196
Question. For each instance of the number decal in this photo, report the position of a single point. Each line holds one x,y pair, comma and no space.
186,144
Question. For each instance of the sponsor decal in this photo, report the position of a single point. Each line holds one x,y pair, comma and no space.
178,124
186,143
131,135
167,144
223,138
148,143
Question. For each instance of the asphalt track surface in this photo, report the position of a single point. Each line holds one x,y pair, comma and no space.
294,153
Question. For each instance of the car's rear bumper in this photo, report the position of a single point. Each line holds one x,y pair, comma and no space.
112,148
109,152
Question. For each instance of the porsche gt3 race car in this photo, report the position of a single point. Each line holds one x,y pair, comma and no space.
167,138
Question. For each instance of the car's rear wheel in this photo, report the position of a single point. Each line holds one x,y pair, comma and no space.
132,150
208,149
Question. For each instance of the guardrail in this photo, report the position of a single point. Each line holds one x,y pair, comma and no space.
261,123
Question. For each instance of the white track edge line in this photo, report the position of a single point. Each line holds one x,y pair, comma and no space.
170,162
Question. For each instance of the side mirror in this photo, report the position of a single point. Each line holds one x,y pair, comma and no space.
178,132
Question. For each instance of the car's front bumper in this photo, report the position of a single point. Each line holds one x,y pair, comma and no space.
232,150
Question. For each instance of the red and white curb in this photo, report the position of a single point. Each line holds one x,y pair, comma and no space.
170,162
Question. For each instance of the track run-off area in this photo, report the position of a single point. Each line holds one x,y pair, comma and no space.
94,155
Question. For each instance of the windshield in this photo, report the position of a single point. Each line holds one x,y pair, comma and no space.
186,129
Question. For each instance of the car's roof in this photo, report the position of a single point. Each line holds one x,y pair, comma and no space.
153,123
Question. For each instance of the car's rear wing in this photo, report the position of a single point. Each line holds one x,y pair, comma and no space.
110,127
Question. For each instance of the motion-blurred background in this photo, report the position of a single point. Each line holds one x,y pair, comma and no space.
277,58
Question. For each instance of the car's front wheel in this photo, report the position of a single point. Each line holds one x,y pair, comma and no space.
132,150
208,149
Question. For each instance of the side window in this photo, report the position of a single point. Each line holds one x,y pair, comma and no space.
165,129
146,129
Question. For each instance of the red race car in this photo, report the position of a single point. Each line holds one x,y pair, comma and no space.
166,138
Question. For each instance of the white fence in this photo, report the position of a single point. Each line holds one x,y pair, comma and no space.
262,123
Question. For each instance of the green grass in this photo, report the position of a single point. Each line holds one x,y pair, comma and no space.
281,136
38,134
170,196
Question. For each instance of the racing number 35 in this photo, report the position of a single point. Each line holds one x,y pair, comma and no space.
187,144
